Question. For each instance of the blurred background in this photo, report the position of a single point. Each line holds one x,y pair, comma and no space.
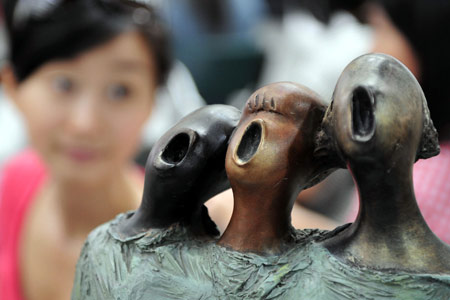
225,49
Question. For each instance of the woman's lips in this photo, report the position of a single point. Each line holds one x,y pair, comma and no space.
82,155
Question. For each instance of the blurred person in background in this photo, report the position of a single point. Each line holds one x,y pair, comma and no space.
174,99
84,75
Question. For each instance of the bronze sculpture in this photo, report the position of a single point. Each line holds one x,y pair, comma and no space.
378,124
275,136
186,166
381,125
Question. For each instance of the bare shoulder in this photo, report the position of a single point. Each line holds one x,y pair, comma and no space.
220,208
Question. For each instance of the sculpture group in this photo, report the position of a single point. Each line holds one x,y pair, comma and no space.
286,140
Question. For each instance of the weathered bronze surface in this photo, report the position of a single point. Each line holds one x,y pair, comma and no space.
269,161
184,169
378,125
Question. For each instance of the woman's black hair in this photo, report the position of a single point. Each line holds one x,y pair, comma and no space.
43,30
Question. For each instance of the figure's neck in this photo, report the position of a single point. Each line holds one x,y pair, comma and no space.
154,213
83,206
389,232
163,205
260,222
387,199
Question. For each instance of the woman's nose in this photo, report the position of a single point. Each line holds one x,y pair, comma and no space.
85,115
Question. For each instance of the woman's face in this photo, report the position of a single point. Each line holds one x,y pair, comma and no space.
85,114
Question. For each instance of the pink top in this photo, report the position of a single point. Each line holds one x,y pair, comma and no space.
432,188
21,178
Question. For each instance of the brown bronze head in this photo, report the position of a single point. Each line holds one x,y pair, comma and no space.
270,160
274,139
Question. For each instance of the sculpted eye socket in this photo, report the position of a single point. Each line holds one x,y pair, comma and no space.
176,149
63,84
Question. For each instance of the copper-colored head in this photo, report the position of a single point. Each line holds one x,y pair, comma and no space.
274,140
269,161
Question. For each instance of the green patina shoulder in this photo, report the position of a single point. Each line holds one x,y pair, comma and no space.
168,264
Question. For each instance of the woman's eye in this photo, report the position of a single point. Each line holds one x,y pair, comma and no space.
63,84
118,92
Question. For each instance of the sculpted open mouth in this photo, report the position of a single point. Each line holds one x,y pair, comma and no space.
363,121
176,149
250,141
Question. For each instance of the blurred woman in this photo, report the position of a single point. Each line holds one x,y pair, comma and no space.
83,73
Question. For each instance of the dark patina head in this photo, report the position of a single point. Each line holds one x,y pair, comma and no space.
185,168
379,113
